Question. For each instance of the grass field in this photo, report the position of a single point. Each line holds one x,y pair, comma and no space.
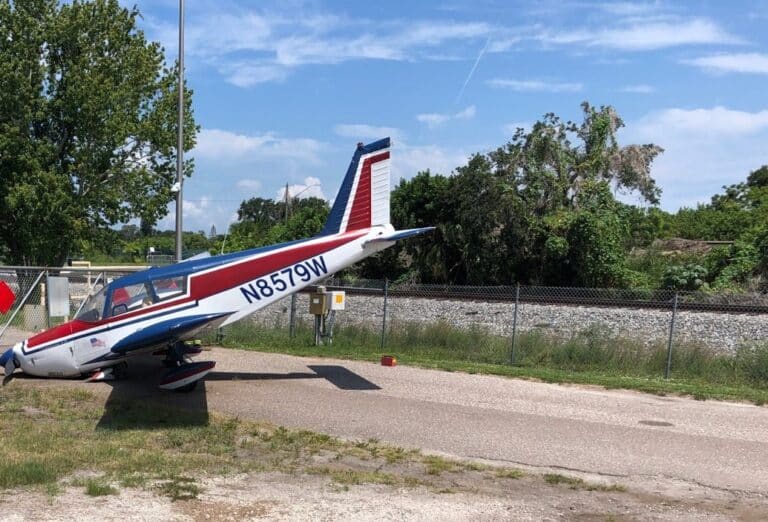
593,356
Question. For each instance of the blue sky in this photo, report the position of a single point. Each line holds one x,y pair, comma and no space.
284,90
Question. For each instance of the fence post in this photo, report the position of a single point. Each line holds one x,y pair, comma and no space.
292,318
671,334
514,325
384,319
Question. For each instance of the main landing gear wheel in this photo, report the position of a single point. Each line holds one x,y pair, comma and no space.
183,374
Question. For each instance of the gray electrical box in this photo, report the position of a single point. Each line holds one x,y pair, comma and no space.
318,303
57,296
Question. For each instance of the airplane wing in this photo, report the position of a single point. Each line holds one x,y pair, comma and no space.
164,331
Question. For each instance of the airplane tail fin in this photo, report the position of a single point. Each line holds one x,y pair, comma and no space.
363,199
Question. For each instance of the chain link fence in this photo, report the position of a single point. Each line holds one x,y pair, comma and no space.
29,312
517,325
525,324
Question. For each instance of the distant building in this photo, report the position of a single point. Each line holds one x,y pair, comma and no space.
213,233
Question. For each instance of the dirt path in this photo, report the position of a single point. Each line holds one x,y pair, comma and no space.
277,496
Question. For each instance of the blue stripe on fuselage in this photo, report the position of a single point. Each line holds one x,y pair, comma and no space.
99,329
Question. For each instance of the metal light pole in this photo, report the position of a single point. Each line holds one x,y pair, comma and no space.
180,142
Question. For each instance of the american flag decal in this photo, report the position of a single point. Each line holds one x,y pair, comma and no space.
98,343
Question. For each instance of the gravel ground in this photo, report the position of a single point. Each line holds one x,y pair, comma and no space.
718,331
275,496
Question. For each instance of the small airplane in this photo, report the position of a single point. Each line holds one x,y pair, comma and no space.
156,310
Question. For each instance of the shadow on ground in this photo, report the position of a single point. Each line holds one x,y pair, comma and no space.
135,402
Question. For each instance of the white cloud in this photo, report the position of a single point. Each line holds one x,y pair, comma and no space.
638,89
223,145
311,188
409,160
714,122
534,85
200,214
248,74
629,8
366,132
645,36
704,149
503,44
250,47
196,208
251,185
434,119
754,63
466,114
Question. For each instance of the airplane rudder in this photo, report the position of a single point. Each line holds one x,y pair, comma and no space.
363,198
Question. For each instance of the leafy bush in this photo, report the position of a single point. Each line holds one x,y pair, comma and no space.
742,266
684,277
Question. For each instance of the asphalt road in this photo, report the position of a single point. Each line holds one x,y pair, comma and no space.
626,435
608,432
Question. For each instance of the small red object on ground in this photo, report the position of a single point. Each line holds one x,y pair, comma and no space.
388,360
7,297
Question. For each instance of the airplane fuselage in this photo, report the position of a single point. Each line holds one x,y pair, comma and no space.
217,291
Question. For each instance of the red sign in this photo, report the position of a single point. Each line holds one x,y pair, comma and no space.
7,297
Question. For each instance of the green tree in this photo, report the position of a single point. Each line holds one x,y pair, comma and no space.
538,210
419,202
262,222
261,211
87,125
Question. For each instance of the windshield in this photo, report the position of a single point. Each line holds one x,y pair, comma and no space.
93,307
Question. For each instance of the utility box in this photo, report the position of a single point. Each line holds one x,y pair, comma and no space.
318,303
57,296
338,300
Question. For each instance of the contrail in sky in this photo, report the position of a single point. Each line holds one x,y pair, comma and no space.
469,76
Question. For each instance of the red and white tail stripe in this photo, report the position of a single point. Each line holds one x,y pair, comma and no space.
363,199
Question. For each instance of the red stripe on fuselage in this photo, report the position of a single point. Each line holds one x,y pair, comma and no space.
206,285
57,332
360,213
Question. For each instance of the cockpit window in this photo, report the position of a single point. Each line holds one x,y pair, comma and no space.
169,287
128,298
93,307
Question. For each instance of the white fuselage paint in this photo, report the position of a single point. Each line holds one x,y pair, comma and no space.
68,355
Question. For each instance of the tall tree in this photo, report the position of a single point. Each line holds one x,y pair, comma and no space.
538,210
87,125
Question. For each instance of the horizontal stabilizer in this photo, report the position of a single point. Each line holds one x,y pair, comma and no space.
400,234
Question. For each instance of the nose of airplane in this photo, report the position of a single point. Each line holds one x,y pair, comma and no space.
8,361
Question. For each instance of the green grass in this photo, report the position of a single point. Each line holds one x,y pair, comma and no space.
509,473
25,472
592,356
436,465
54,437
180,488
577,483
99,488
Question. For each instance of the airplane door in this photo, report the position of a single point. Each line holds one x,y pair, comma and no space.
89,348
